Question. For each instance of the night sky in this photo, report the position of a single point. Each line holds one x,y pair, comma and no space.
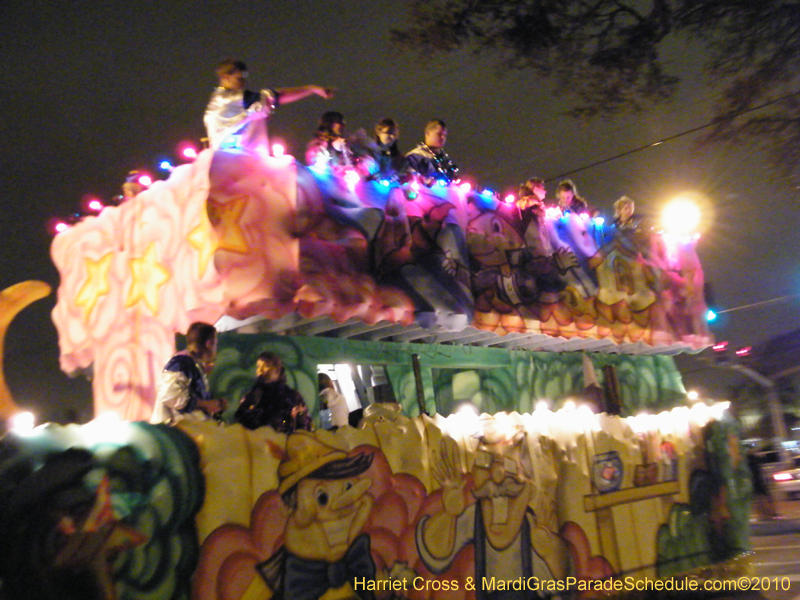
95,89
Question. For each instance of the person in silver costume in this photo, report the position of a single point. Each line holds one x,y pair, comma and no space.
234,110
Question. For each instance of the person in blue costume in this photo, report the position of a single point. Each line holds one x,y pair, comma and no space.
429,159
183,391
271,401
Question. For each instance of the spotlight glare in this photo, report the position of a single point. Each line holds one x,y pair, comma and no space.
22,423
681,216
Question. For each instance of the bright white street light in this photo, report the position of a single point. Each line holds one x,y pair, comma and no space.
22,423
681,216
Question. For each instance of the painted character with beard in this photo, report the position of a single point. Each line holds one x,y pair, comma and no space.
509,542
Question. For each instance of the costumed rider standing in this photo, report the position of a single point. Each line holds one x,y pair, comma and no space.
183,391
236,116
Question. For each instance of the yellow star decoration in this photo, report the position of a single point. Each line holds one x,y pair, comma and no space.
147,276
224,217
199,238
96,284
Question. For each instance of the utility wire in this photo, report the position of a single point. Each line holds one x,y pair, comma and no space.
677,107
711,123
754,304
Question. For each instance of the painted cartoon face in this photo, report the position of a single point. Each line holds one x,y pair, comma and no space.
327,509
489,236
503,490
570,232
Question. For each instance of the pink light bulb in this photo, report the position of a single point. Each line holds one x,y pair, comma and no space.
510,199
95,205
278,150
146,180
189,153
61,226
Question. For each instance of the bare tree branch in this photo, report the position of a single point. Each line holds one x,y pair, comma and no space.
605,54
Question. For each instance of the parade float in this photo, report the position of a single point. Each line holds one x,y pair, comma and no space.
580,466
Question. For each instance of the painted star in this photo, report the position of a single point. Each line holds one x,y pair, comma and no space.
96,283
224,217
147,277
199,238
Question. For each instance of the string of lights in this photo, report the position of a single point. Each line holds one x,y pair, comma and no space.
188,152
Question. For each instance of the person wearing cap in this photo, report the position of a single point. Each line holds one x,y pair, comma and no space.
234,110
325,548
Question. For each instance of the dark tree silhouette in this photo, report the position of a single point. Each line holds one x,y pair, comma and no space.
606,55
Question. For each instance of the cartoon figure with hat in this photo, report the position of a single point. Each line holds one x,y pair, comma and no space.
324,549
510,540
